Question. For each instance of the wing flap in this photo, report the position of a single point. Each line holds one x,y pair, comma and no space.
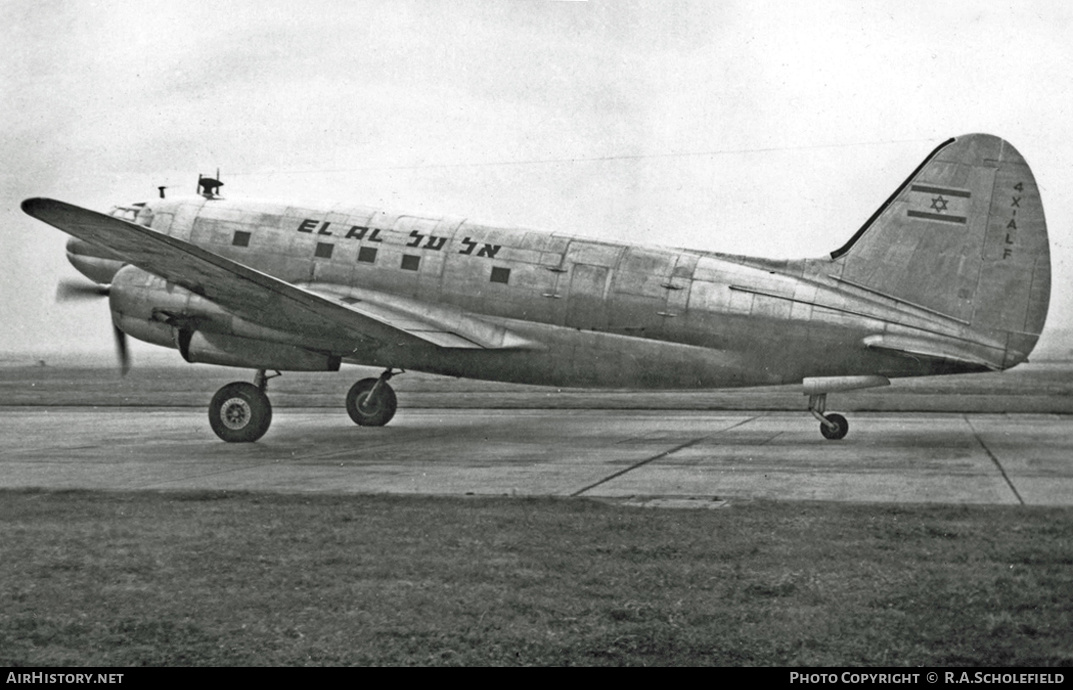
328,311
446,326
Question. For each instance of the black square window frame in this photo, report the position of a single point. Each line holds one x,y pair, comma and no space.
410,262
500,275
367,255
241,239
324,250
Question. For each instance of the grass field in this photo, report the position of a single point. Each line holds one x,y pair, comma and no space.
263,579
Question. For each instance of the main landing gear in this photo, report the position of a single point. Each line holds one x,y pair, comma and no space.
832,426
240,411
371,402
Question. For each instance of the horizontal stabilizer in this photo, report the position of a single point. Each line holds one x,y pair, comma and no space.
817,385
939,350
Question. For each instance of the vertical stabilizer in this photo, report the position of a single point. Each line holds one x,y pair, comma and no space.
964,236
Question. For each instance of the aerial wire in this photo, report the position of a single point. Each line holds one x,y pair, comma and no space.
584,159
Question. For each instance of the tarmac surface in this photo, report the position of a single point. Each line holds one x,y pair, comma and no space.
648,458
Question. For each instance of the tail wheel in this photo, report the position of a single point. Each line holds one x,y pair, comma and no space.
840,430
240,413
366,410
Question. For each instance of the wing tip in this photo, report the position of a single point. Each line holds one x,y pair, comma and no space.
35,206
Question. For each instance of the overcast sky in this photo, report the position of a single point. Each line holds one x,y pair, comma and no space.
772,129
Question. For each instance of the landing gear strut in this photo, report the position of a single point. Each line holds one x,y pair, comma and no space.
240,411
832,426
372,402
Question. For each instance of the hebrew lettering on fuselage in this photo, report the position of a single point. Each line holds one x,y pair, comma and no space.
431,242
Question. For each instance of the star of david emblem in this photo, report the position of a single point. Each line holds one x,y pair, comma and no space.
939,203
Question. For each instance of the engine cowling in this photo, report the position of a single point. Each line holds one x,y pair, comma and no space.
151,309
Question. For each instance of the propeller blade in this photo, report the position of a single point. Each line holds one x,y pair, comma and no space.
122,354
72,291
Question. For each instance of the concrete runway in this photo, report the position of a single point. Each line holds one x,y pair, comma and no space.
664,458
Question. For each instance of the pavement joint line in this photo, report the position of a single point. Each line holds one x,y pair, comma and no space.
664,454
994,459
774,436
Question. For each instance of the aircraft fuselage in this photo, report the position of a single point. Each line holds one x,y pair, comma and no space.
605,314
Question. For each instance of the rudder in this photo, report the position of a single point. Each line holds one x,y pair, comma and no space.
964,236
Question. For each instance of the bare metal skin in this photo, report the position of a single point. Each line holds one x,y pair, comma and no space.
950,275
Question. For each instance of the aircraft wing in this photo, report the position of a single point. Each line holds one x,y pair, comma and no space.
319,310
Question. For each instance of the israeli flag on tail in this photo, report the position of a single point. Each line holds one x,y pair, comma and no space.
941,204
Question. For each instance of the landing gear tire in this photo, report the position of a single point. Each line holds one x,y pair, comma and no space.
375,412
842,427
240,413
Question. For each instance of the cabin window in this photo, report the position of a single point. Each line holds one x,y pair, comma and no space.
367,255
241,239
500,275
410,263
324,250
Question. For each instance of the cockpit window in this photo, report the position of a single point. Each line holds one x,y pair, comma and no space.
135,213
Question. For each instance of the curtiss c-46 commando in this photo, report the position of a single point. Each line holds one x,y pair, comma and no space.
950,275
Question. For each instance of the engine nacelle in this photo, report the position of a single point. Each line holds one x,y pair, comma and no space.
235,351
149,308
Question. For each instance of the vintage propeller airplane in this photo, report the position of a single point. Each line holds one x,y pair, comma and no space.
950,275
